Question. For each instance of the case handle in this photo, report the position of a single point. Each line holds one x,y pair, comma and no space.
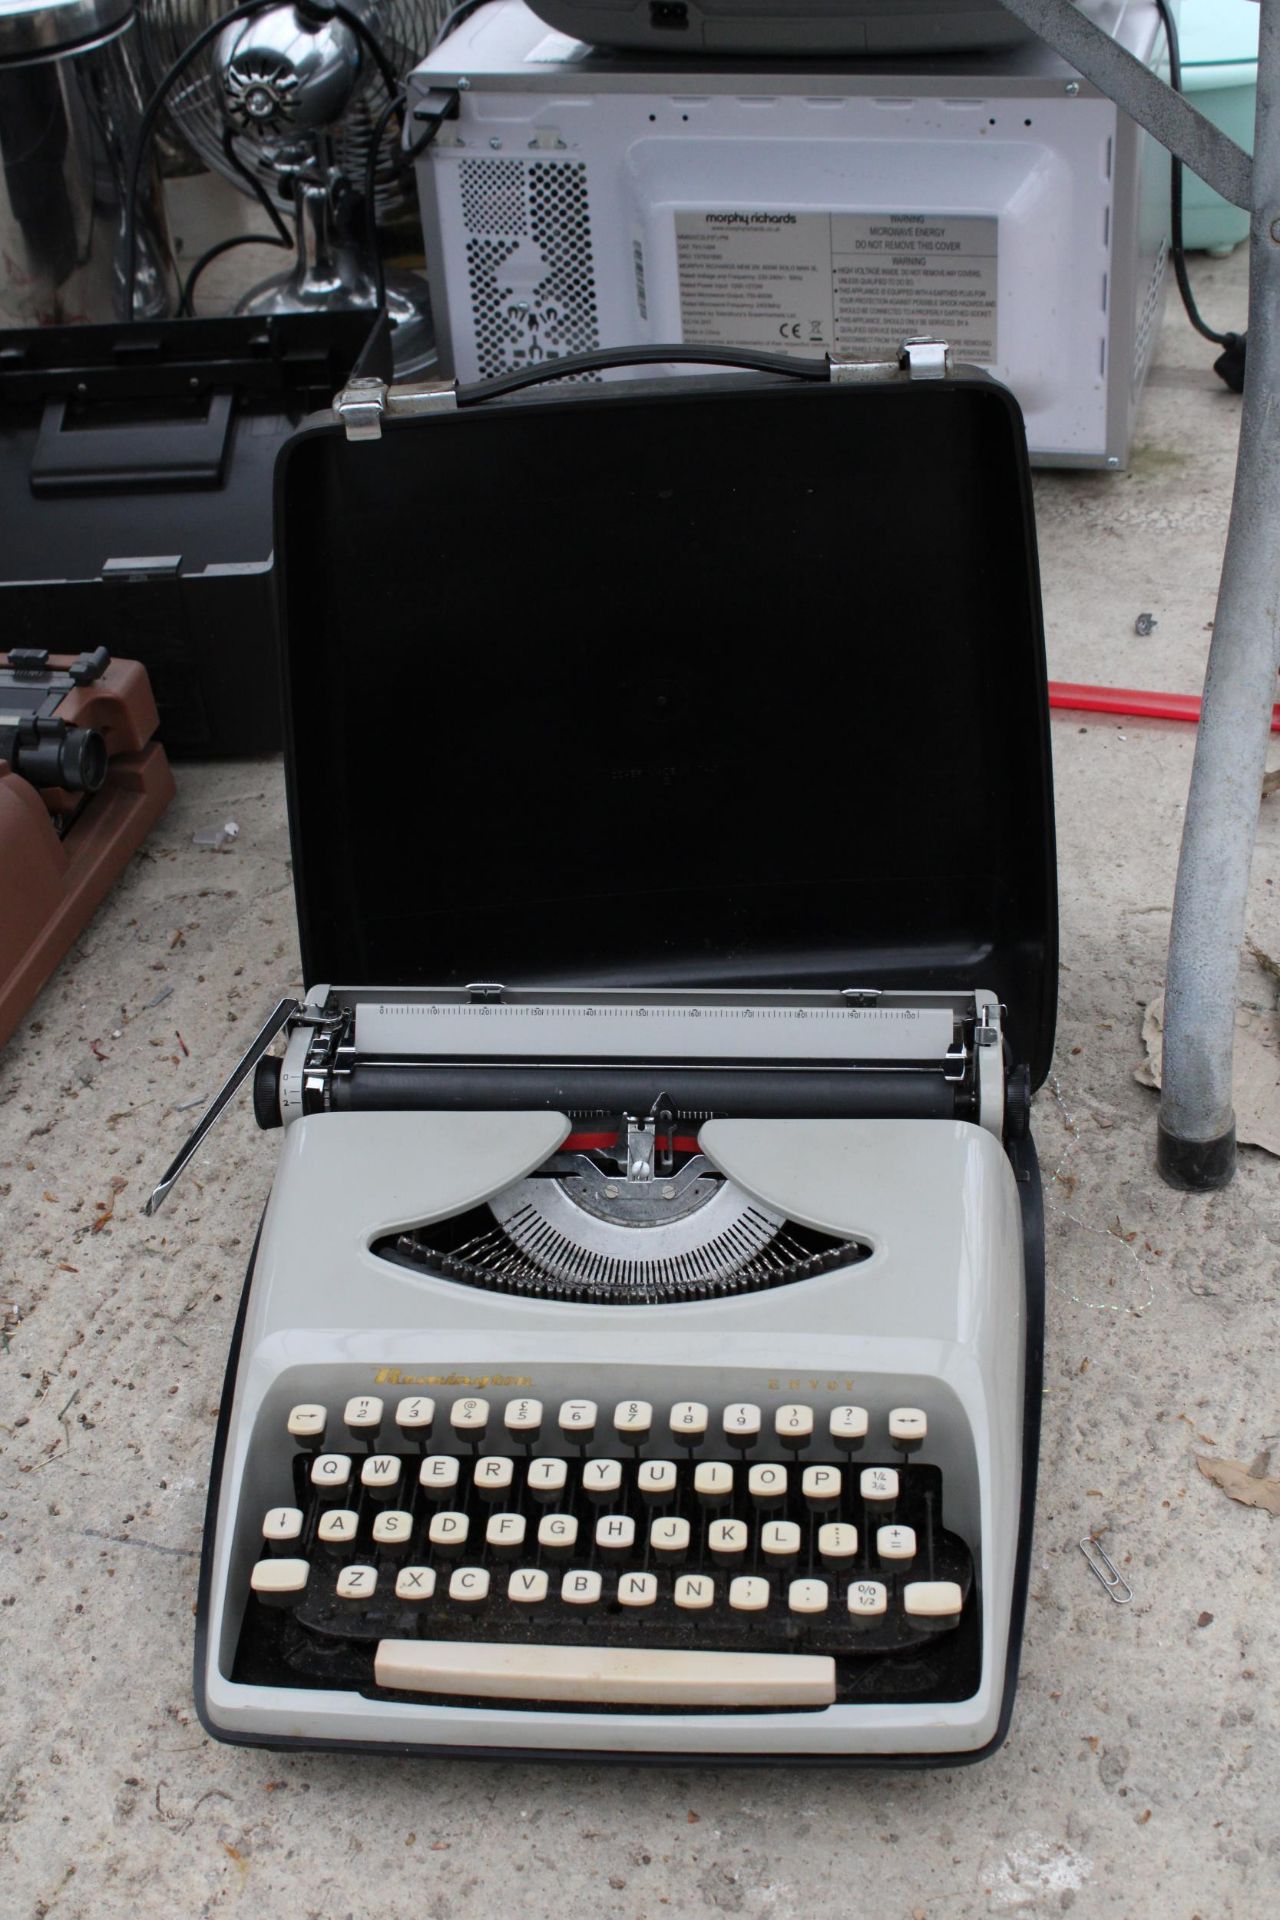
132,455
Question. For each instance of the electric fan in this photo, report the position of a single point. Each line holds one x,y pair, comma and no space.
288,104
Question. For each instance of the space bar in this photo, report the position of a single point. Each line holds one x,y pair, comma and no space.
606,1676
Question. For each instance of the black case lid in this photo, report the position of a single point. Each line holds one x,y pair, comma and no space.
690,682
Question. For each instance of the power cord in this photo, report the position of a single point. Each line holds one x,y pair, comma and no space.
247,10
454,19
1229,365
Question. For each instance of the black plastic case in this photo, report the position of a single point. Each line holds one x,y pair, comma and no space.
136,469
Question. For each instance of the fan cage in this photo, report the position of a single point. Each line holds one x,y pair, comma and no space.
195,116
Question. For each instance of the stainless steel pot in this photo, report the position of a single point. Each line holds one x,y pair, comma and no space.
71,98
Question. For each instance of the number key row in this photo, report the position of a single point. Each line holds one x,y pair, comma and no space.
689,1421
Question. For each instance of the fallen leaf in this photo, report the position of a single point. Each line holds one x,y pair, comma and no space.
1236,1481
1263,958
236,1856
693,1818
1091,1741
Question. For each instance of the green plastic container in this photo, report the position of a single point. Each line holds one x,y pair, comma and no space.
1220,72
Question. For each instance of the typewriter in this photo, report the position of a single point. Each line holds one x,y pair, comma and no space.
641,1351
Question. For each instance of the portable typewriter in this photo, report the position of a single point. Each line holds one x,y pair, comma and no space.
642,1356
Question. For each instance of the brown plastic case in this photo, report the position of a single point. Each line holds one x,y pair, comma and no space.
52,883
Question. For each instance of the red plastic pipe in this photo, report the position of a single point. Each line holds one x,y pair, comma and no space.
1132,700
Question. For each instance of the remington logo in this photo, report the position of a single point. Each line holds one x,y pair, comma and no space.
397,1377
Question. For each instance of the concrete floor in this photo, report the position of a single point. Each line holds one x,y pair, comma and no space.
1140,1780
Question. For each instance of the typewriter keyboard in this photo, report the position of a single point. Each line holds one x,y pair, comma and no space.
578,1554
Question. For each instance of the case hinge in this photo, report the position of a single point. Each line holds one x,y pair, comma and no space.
925,359
365,401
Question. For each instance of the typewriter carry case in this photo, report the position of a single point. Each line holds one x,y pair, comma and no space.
612,709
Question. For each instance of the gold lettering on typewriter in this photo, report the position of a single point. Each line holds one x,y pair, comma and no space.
397,1377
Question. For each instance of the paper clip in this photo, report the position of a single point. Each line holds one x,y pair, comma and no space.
1104,1569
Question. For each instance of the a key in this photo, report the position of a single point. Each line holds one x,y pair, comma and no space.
656,1479
794,1425
637,1589
494,1475
688,1421
528,1586
713,1482
357,1585
601,1479
837,1543
821,1487
581,1588
338,1527
615,1532
468,1586
932,1599
896,1543
727,1540
414,1417
694,1592
908,1426
505,1532
469,1418
393,1528
767,1484
807,1596
848,1427
362,1417
670,1537
547,1478
448,1531
558,1532
879,1483
867,1599
282,1525
415,1583
632,1419
523,1419
606,1676
331,1474
748,1593
780,1539
280,1582
380,1474
741,1422
578,1420
438,1475
307,1423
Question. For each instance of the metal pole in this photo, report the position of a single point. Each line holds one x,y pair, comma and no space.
1197,1123
1170,116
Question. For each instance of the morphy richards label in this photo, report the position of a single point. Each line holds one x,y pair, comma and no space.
585,1029
854,284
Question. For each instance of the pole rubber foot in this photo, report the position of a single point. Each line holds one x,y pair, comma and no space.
1196,1166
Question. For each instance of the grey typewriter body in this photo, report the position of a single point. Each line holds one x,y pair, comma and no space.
466,1477
641,1356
